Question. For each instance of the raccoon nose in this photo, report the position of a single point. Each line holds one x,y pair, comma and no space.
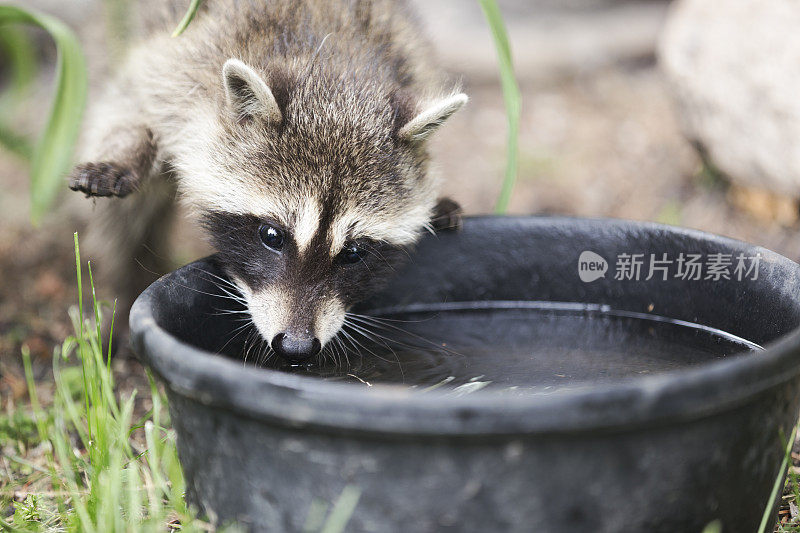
295,348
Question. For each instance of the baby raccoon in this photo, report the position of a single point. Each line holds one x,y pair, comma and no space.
295,131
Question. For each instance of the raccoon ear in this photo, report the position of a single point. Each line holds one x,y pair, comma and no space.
247,93
423,125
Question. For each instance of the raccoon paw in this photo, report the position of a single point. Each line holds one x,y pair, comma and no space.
102,179
446,215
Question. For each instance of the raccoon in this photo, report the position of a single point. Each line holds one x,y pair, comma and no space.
295,131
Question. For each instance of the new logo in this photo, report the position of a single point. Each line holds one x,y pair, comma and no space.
591,266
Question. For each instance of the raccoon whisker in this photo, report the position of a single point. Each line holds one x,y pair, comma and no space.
374,337
226,313
344,350
368,336
329,354
339,356
336,350
219,278
236,332
254,345
235,295
437,346
429,228
334,354
152,252
228,296
387,320
228,287
365,264
222,311
186,286
364,320
259,354
198,291
265,353
355,343
248,346
378,254
322,356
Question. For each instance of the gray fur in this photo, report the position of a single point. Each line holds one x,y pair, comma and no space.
289,111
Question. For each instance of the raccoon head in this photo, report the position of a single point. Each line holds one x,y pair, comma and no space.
311,187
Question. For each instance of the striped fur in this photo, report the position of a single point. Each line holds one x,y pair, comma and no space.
307,114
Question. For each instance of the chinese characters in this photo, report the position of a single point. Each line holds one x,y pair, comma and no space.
687,266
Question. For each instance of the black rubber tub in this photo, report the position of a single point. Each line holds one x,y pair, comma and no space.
656,404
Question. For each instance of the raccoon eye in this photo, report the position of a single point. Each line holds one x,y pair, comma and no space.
271,236
350,254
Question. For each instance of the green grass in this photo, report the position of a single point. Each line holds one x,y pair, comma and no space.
99,469
51,156
85,463
792,490
780,482
511,95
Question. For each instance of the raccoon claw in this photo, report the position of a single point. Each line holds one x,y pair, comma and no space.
446,216
102,179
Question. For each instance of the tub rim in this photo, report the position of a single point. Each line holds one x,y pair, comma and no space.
306,402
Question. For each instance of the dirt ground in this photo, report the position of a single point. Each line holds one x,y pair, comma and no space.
599,138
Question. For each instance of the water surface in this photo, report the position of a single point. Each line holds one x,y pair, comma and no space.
535,346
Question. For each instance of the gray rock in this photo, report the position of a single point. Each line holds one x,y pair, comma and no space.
734,69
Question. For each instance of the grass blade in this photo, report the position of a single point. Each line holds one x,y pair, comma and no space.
342,510
18,49
776,487
102,476
188,17
511,96
52,155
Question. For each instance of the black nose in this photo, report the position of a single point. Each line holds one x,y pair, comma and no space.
295,348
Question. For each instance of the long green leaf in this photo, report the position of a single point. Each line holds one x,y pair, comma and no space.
18,49
187,18
20,52
511,96
52,155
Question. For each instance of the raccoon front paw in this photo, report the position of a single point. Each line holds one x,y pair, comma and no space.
102,179
446,215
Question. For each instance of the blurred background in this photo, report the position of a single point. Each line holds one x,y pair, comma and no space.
680,112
